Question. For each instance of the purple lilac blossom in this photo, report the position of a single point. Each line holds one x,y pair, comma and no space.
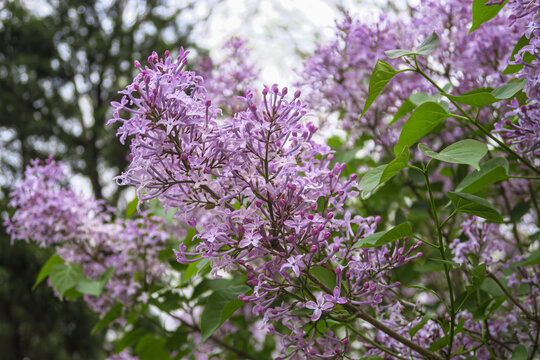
230,78
260,176
49,212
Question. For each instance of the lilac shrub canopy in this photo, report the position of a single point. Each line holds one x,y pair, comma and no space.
274,237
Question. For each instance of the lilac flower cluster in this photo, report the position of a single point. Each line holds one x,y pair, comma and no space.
274,199
521,128
230,78
338,73
49,213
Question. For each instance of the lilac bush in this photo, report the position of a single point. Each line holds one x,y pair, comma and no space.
253,239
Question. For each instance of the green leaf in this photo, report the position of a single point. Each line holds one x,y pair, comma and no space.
194,268
478,275
491,171
528,57
532,259
380,77
408,105
428,46
483,98
151,347
46,269
482,13
421,324
519,210
132,207
324,275
490,286
422,121
383,173
94,287
114,313
508,90
396,165
440,343
64,277
89,287
129,338
467,152
474,205
219,307
384,237
520,353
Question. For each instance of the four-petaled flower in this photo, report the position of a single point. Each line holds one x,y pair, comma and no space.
318,307
336,298
295,263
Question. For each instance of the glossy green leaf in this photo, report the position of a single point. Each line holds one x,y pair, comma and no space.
421,324
468,152
528,57
380,77
491,171
219,307
383,173
428,46
482,13
64,277
46,269
422,121
114,313
384,237
483,98
151,347
474,205
520,353
410,104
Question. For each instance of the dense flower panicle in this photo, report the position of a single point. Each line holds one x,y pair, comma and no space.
275,205
230,78
49,212
337,75
521,128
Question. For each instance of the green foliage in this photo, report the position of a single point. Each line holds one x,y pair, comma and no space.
410,104
114,313
474,205
482,13
427,47
325,276
383,173
422,121
467,152
491,171
520,353
46,269
151,347
220,306
480,99
384,237
380,77
527,58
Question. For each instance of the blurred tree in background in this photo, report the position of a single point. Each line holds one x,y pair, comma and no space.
61,63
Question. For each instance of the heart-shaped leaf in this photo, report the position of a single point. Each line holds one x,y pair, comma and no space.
380,77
